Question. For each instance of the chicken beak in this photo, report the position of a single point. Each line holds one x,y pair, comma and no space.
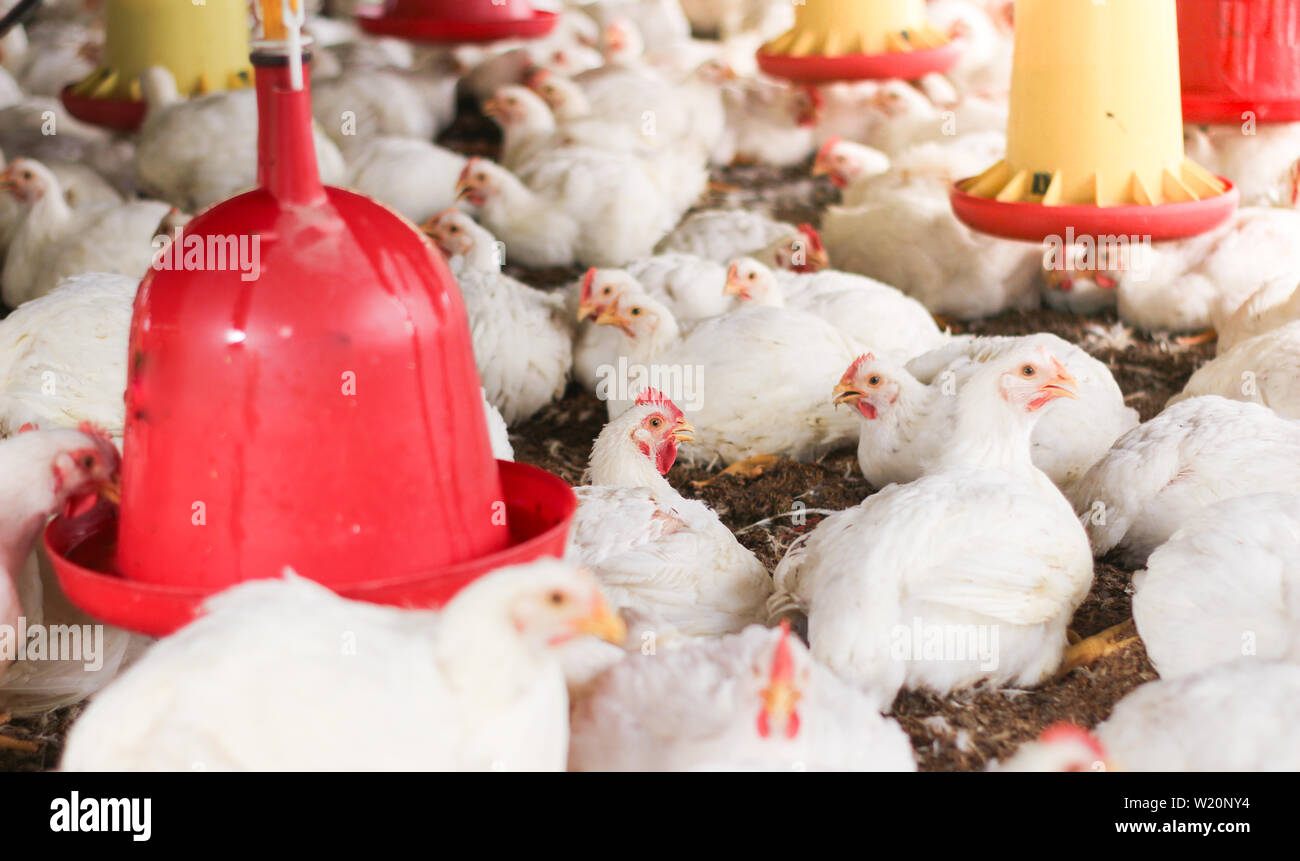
492,107
111,490
588,309
430,229
845,393
818,259
602,623
609,316
1062,385
734,287
820,166
684,431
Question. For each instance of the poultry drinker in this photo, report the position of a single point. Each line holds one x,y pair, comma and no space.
1095,132
845,40
1240,57
456,20
321,412
203,45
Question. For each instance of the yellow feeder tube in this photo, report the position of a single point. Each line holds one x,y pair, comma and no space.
203,44
835,28
1096,110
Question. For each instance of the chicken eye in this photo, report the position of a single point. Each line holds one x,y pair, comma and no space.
607,290
27,174
88,461
656,422
453,229
636,312
556,597
873,380
1028,370
751,276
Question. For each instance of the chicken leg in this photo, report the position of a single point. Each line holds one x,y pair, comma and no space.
1197,339
7,743
750,467
1110,641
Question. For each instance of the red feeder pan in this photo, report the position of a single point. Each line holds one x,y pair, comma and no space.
123,115
1034,222
301,391
456,20
904,65
1238,57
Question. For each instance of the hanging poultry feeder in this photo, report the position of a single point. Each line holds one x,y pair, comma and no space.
453,21
204,46
1240,58
1094,136
301,392
845,40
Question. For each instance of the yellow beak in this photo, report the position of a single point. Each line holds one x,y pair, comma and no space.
684,431
846,394
602,623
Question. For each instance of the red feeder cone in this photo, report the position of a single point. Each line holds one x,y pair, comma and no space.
1239,57
456,20
302,391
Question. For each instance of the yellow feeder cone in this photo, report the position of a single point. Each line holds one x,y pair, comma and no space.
1096,113
204,45
833,28
873,38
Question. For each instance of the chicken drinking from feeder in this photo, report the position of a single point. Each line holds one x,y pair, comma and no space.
844,40
301,393
1240,60
203,45
453,21
1094,136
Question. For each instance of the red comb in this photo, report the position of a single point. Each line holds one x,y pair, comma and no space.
814,238
469,167
782,658
92,429
652,396
1066,731
857,366
28,426
587,281
826,148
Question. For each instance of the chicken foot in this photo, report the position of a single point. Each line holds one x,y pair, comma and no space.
1110,641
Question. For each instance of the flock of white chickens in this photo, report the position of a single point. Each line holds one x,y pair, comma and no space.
1005,466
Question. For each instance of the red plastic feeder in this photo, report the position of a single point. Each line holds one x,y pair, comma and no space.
456,20
907,66
301,391
123,115
1034,222
1240,56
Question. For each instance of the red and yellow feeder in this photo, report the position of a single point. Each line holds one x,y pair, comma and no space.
1240,59
319,410
454,21
204,46
1094,135
844,40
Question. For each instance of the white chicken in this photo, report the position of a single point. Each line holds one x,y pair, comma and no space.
986,45
42,129
1268,308
1062,747
1226,585
848,165
522,339
1236,717
1263,161
930,167
910,238
196,152
871,313
415,177
1162,473
55,240
475,686
1264,369
1182,286
63,356
910,588
740,410
45,472
362,104
722,235
82,188
572,205
768,122
753,701
655,552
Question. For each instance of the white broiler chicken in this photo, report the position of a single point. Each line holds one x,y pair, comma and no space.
363,104
849,165
753,701
46,472
910,238
1269,308
1159,475
1183,286
1264,370
290,669
1226,585
931,168
415,177
769,122
986,45
985,546
63,355
726,369
573,205
665,557
55,240
1263,161
1237,717
42,129
82,189
196,152
722,235
896,115
522,339
884,319
1062,747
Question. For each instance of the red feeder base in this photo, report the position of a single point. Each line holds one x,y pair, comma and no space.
375,23
1034,222
123,115
904,65
539,509
1208,110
